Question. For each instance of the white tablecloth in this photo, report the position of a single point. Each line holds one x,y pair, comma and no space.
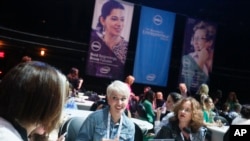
82,103
76,113
218,132
144,125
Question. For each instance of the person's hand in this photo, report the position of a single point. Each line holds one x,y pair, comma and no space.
158,113
219,123
203,55
61,138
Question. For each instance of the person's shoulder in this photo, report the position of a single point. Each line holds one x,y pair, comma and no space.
238,120
9,132
95,34
200,134
169,115
187,59
127,121
123,45
100,114
170,126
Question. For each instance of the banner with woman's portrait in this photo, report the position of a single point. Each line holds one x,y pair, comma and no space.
109,38
198,50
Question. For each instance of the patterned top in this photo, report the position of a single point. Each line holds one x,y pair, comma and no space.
120,50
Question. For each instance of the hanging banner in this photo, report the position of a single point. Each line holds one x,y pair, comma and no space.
154,46
109,39
198,50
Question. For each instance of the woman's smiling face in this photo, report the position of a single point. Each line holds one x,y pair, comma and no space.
117,102
114,22
199,39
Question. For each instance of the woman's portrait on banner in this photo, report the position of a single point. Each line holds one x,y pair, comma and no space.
109,39
198,53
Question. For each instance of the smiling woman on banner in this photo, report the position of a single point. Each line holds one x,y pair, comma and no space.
108,49
197,64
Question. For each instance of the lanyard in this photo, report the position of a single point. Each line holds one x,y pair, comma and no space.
108,128
183,138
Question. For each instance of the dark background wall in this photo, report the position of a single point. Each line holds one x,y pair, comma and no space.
62,27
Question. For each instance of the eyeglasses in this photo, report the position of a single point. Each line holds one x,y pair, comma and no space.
186,110
199,39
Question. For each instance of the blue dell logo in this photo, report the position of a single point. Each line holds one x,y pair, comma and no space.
151,77
157,20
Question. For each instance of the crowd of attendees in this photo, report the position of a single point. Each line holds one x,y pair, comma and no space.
166,115
179,114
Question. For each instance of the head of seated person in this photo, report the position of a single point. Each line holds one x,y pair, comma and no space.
35,97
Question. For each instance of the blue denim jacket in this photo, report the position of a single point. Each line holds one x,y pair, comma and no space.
94,127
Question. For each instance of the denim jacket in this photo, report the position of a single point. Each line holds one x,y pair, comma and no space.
94,127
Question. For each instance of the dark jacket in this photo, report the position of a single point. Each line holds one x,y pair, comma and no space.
172,131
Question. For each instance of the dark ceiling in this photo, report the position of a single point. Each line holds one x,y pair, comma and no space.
231,14
71,20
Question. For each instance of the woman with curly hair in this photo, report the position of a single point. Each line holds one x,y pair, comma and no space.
186,124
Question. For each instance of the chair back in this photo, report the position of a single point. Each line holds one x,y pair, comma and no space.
142,111
72,127
138,133
222,119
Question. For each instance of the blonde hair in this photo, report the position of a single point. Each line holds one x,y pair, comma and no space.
118,87
203,89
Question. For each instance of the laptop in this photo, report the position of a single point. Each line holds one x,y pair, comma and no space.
161,139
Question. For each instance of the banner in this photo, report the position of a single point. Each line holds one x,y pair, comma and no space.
154,46
198,50
109,39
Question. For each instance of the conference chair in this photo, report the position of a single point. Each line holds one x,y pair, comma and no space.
72,127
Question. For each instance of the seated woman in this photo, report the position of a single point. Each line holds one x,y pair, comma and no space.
148,105
172,99
187,123
110,123
208,114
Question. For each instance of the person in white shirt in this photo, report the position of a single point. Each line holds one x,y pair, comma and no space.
244,118
235,112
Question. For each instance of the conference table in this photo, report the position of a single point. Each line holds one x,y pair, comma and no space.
83,103
218,132
144,125
68,113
